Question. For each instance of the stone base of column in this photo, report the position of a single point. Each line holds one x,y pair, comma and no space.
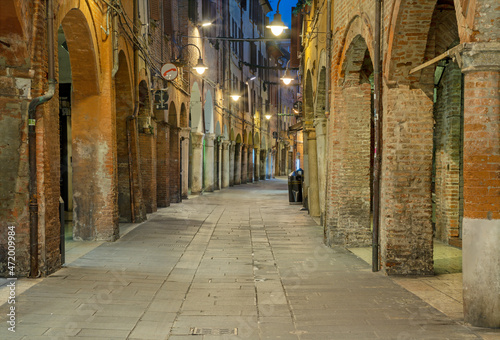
481,272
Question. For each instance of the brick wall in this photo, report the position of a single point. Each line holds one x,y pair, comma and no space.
447,139
174,165
162,178
406,230
147,145
482,146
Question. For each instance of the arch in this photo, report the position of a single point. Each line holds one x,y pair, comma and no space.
184,121
256,138
196,109
82,53
226,134
12,33
209,113
124,99
357,59
245,137
250,138
231,136
9,20
263,142
172,114
308,96
238,138
144,99
218,131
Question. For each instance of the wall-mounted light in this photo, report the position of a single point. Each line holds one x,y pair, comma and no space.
200,66
235,97
268,116
287,77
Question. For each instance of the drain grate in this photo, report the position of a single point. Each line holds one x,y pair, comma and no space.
213,331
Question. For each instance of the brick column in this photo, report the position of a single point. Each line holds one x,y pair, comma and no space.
147,145
237,164
231,162
162,167
225,163
481,224
244,163
197,165
208,164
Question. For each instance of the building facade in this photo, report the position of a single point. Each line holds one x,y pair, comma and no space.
94,134
438,109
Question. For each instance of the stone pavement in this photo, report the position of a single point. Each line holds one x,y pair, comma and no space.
236,264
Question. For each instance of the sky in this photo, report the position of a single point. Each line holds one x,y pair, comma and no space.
285,10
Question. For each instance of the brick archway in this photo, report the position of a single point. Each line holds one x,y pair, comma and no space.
95,215
348,220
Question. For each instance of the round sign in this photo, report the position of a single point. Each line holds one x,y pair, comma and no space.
169,71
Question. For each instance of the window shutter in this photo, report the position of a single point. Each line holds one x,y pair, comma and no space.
154,9
167,18
193,10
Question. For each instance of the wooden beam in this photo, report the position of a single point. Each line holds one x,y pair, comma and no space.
453,52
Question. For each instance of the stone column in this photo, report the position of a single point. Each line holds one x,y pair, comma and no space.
313,202
481,223
250,164
231,162
263,164
225,163
244,163
208,163
197,165
218,165
237,163
320,126
185,135
307,173
269,164
257,164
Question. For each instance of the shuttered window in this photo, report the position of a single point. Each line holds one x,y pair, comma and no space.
154,9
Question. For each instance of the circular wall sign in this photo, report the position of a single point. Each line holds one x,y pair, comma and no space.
169,71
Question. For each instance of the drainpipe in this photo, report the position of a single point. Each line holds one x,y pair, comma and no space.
33,208
115,46
131,163
378,137
328,56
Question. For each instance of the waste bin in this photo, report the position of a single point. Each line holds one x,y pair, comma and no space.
295,186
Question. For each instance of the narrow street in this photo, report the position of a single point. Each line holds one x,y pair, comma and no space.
237,264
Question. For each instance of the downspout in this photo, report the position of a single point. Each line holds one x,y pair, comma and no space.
328,55
33,208
378,136
131,163
115,46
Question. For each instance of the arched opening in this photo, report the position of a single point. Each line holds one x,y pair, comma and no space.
129,195
184,147
90,155
350,223
163,172
447,170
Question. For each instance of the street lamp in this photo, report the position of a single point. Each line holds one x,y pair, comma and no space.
287,77
277,26
200,66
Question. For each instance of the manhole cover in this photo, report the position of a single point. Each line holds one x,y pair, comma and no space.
213,331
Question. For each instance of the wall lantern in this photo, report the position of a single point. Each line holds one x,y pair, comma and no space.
200,66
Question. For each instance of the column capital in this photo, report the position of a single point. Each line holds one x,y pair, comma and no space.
185,131
480,56
209,139
197,139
